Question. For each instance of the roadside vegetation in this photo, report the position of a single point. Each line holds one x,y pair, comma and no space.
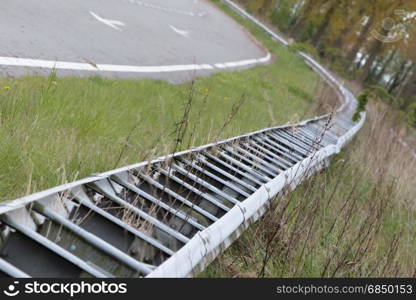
55,130
369,42
356,218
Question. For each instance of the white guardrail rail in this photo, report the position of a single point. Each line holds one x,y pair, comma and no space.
169,217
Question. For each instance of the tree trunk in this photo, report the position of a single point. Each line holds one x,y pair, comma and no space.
265,7
372,72
394,83
360,62
339,42
368,64
380,74
297,27
360,40
408,89
374,51
324,25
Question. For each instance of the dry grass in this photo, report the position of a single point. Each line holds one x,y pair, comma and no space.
354,219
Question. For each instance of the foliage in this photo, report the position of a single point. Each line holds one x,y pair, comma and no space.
381,93
303,47
411,114
371,42
337,61
281,16
362,103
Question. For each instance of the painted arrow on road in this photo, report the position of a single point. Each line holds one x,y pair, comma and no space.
179,31
112,23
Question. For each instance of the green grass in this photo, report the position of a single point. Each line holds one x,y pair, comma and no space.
55,130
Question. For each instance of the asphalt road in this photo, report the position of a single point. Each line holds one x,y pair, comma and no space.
173,40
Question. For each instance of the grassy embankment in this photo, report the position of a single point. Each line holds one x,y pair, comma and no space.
354,219
55,130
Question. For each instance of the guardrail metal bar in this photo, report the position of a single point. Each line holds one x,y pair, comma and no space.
191,205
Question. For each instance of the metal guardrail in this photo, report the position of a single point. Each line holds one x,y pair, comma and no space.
171,216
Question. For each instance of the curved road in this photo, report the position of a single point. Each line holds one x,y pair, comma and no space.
174,40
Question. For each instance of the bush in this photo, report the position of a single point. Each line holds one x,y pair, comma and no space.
381,93
362,102
411,114
337,61
333,54
303,47
281,16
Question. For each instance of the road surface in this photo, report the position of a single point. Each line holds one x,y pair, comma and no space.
174,40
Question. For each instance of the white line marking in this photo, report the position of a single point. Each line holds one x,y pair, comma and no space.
266,58
63,65
179,31
243,63
112,23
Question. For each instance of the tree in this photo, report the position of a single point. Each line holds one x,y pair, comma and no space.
409,88
326,21
385,65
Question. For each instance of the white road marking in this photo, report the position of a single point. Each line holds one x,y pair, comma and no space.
243,63
63,65
266,58
179,31
112,23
